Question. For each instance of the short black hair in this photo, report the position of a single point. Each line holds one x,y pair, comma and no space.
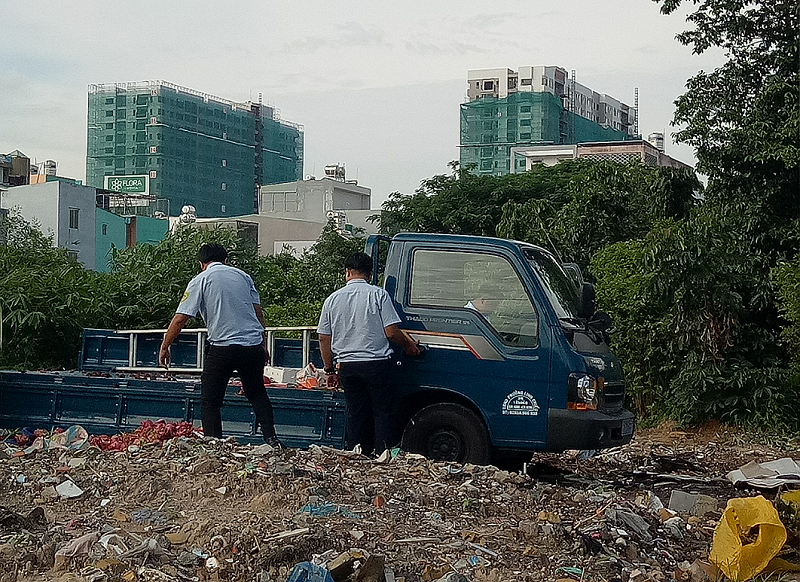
360,262
210,252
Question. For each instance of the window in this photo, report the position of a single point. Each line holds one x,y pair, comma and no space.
109,101
525,122
525,109
109,126
109,113
73,217
480,282
110,162
72,256
109,150
488,85
109,138
105,230
525,82
524,136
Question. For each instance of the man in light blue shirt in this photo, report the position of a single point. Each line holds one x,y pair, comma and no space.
228,302
355,327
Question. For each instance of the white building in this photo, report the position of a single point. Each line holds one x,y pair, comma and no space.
292,214
67,211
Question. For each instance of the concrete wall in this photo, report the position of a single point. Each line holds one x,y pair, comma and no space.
112,234
49,204
311,200
80,240
150,230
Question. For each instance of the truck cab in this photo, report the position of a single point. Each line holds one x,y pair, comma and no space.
513,359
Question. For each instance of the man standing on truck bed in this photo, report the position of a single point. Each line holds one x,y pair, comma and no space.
231,308
355,327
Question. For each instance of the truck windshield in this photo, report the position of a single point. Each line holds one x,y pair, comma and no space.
557,286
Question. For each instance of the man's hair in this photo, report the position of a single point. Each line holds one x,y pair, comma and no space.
360,262
212,252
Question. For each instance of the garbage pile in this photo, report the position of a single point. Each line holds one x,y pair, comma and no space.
200,509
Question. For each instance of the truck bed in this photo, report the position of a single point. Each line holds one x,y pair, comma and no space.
105,400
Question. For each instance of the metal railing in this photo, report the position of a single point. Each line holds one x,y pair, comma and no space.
200,339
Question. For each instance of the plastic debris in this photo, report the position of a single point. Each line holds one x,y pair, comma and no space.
68,489
309,572
747,537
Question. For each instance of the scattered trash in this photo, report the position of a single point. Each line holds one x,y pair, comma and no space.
326,509
695,504
68,489
767,475
201,510
748,536
309,572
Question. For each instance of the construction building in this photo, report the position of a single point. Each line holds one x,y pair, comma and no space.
191,148
534,106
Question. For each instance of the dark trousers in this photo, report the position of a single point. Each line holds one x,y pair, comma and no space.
370,391
220,363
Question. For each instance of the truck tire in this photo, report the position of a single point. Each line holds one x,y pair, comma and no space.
448,432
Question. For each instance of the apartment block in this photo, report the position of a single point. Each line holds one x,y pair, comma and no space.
188,147
534,105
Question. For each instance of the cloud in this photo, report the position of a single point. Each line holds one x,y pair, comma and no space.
348,35
426,49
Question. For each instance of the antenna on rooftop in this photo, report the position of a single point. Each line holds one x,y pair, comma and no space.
636,108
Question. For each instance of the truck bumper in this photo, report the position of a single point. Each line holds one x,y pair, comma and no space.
588,429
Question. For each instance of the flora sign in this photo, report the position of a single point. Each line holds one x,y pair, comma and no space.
128,184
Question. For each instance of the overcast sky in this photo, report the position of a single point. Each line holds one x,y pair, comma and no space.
377,85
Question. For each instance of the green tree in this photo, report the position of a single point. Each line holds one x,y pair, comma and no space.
463,203
743,118
45,299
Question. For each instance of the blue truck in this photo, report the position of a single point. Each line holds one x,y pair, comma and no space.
516,360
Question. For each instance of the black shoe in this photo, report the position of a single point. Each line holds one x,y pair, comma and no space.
275,443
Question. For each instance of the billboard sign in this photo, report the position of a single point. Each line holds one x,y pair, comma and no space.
128,184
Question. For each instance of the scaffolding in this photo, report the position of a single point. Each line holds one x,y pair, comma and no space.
195,149
491,126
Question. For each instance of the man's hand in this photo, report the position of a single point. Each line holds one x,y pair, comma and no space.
396,335
333,380
164,356
175,327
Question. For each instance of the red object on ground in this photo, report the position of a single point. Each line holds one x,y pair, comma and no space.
148,433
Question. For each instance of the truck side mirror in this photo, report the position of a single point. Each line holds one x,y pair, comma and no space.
588,304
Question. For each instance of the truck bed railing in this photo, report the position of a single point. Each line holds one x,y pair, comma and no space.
136,350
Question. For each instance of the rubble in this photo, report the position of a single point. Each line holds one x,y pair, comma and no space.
197,510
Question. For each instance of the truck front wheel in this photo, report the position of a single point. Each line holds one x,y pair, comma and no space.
448,432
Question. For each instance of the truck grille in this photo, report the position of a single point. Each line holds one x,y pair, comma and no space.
613,397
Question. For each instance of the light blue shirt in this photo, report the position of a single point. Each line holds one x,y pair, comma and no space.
355,317
224,296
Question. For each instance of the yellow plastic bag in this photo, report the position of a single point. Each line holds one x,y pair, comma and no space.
734,551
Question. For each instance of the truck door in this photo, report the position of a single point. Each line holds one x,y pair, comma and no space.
475,311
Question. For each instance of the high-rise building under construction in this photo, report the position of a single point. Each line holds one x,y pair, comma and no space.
534,106
189,147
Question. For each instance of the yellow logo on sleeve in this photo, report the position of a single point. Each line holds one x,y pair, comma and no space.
185,296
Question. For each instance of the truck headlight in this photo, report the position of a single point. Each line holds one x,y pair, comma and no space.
582,391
